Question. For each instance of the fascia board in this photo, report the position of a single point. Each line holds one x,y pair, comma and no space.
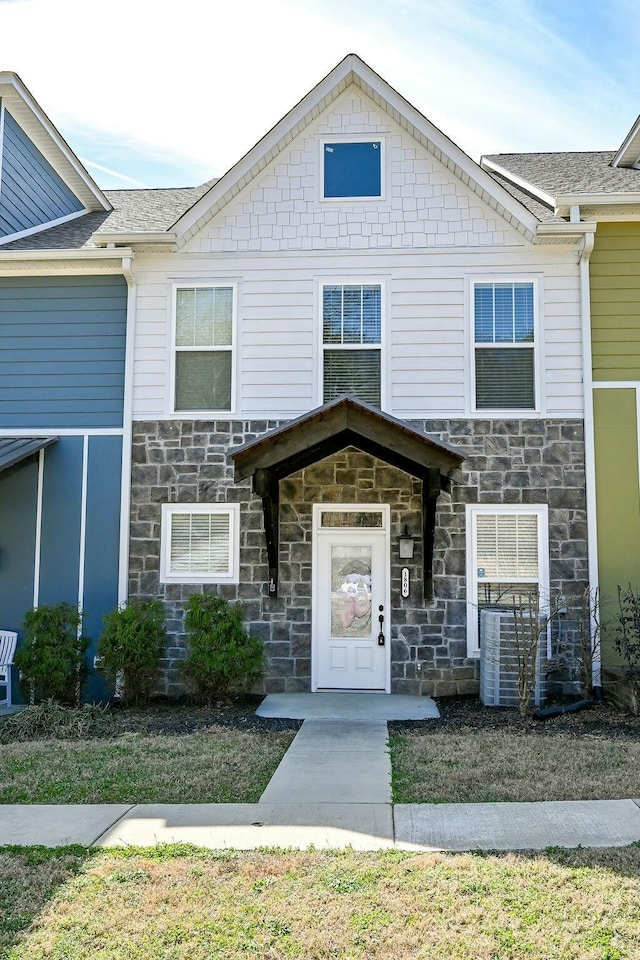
567,229
525,185
565,201
22,255
629,153
288,126
50,142
115,239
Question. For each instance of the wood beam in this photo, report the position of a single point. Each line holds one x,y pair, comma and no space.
430,494
266,486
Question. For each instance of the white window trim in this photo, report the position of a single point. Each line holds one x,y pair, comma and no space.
354,138
383,509
346,282
202,414
474,510
538,348
232,510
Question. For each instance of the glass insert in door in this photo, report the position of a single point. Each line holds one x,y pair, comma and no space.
351,591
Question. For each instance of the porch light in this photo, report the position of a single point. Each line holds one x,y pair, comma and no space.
406,544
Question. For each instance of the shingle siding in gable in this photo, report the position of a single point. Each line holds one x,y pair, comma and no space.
62,349
423,205
31,192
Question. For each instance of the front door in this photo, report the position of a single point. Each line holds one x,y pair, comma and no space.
350,595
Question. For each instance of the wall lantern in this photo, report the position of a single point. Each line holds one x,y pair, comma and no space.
406,544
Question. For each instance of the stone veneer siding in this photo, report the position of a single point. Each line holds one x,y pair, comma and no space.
507,461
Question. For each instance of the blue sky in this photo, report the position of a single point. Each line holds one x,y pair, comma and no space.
148,98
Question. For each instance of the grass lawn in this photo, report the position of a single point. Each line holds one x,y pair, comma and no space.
485,755
215,765
185,902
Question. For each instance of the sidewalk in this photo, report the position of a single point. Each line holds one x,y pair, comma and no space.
363,826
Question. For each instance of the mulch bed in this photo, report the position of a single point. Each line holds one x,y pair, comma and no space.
601,720
174,717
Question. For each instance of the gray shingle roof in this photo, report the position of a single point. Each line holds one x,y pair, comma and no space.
543,213
133,211
570,173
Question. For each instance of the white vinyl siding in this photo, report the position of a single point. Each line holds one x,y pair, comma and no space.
504,328
507,559
352,342
199,543
203,367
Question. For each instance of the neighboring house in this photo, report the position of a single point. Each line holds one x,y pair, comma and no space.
600,190
355,333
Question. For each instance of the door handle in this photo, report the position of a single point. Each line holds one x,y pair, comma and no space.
381,621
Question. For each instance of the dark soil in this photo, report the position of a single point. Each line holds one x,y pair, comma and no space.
601,720
174,717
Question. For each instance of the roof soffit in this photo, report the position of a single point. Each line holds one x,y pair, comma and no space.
38,127
353,70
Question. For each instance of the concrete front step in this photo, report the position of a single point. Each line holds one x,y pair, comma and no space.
348,706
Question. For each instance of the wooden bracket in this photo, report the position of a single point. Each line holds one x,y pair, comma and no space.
266,485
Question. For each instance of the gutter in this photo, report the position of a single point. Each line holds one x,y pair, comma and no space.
589,445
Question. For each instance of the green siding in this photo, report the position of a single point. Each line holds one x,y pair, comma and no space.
618,502
615,302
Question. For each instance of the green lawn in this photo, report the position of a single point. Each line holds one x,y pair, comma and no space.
174,903
447,765
217,765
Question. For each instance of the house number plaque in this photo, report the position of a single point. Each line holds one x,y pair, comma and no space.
405,584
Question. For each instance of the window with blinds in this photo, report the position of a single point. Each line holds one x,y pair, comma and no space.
507,560
352,336
204,348
199,543
504,337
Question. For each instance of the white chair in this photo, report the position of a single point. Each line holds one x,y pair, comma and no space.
8,641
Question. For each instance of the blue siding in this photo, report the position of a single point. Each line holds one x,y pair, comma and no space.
18,497
61,521
31,192
62,351
101,542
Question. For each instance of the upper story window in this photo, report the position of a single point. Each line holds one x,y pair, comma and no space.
352,337
504,346
352,169
204,348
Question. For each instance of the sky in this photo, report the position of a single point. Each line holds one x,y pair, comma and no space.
164,93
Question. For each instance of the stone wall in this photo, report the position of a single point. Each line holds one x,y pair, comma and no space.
507,461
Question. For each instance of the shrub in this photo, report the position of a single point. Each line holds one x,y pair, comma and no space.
223,659
627,638
51,721
51,659
130,646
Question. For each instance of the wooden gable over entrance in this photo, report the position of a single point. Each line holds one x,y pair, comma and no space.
345,422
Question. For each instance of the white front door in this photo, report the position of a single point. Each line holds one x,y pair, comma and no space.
350,595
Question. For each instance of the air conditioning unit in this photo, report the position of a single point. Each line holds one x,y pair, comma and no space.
499,661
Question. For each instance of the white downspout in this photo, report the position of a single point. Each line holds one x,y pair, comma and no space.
127,424
589,441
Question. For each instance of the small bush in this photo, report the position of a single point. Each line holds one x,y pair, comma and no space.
223,659
51,721
627,638
130,646
51,659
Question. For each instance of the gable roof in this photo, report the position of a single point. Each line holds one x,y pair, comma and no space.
628,154
38,127
353,70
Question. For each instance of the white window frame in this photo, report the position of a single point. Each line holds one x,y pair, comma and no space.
354,138
474,510
173,349
232,510
538,348
348,282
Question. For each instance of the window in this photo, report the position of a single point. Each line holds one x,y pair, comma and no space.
352,169
351,337
204,348
199,543
504,338
507,559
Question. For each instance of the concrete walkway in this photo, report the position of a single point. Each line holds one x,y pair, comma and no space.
364,826
348,706
334,761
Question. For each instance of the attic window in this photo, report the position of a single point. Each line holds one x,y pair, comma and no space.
352,169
